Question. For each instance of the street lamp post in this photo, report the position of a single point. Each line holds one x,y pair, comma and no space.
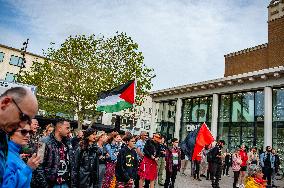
23,53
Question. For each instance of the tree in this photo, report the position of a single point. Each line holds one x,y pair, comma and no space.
71,77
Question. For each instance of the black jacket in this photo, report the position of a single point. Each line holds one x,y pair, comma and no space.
86,167
151,149
126,165
216,152
46,175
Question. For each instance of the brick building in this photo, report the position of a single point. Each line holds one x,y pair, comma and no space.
245,106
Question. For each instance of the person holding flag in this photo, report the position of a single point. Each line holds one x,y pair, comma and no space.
196,140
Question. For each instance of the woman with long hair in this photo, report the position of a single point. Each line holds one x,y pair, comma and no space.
148,169
101,139
18,174
86,164
112,148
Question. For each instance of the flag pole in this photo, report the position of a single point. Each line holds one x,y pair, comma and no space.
134,105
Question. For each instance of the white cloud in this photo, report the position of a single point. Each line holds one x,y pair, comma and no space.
184,41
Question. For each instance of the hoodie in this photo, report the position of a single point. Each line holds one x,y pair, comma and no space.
126,165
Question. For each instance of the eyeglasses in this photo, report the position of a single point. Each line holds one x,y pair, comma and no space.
24,132
23,116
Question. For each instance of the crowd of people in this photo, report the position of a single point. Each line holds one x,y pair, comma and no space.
54,158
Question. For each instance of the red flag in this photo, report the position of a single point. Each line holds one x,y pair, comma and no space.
204,137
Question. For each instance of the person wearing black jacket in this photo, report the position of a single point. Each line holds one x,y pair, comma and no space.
127,164
148,169
86,164
216,168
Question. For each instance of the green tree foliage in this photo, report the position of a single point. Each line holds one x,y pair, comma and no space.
71,77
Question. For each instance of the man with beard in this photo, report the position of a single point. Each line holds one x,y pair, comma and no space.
55,170
18,106
267,160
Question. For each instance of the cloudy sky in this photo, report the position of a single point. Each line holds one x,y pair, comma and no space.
183,40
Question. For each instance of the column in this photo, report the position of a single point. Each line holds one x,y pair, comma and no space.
178,118
214,120
153,120
267,116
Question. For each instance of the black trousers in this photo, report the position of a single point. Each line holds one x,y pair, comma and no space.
226,169
209,171
267,173
236,178
171,177
216,172
197,169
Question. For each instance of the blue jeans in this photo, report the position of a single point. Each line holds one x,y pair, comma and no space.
61,186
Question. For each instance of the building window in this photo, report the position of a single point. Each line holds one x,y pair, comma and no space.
195,111
10,77
165,119
241,117
1,57
278,121
16,61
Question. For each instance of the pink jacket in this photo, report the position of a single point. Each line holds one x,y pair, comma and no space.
237,161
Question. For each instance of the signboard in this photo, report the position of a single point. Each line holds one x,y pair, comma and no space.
4,85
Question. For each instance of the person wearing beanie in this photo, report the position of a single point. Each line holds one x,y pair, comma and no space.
254,179
86,164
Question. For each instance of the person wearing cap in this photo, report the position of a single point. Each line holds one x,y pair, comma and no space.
148,169
254,179
86,164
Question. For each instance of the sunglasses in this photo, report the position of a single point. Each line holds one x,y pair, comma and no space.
24,132
23,116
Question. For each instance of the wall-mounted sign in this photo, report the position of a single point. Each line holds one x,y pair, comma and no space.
4,85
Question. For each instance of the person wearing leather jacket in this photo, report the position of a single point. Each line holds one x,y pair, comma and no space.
86,163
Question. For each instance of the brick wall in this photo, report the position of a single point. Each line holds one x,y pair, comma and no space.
276,42
246,62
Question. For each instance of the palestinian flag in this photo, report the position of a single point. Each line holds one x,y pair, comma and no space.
117,99
196,140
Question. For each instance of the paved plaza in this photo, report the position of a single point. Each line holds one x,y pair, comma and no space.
225,182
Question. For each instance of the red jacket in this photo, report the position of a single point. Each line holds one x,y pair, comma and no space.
244,157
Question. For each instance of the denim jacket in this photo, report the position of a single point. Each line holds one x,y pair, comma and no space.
262,158
112,150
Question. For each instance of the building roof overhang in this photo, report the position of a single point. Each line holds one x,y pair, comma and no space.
264,74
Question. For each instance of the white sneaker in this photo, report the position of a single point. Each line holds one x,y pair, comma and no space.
237,185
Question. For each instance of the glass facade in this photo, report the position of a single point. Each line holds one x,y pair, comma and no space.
195,111
241,117
278,120
165,116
